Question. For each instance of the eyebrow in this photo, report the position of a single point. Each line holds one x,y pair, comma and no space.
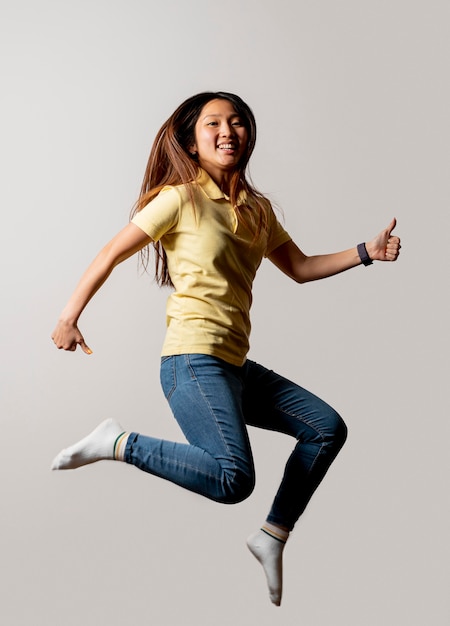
235,114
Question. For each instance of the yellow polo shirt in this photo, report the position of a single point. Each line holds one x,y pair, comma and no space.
212,263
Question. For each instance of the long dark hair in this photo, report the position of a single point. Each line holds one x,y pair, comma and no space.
170,163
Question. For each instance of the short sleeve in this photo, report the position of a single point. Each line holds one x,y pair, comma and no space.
160,215
277,234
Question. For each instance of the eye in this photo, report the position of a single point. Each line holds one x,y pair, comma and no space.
236,123
212,124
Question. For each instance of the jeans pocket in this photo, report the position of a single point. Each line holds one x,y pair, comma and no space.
167,375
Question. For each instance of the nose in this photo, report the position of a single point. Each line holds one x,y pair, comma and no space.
226,130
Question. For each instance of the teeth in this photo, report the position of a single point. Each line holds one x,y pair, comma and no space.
226,146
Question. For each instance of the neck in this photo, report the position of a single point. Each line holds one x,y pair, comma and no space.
223,182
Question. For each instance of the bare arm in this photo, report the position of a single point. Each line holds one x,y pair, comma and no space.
301,268
126,243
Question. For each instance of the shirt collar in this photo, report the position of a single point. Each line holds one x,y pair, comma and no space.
213,191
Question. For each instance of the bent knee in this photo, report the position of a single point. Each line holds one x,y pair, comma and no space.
338,431
237,488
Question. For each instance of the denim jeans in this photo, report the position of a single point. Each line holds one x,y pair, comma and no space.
213,401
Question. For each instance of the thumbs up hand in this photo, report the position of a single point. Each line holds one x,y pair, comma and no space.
385,246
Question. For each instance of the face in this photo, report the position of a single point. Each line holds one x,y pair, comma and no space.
220,139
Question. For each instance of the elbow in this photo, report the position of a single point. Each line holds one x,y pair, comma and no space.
300,280
298,276
301,272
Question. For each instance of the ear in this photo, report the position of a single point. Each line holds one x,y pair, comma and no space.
193,150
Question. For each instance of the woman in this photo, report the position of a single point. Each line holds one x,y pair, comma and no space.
210,229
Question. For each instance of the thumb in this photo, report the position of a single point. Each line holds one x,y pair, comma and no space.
85,347
391,226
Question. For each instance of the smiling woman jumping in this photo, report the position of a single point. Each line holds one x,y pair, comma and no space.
210,229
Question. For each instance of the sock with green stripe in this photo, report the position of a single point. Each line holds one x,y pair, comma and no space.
107,441
267,546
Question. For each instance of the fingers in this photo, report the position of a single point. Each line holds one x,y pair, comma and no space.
69,342
86,349
73,346
392,248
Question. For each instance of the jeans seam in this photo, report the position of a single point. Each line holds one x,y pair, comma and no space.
314,428
212,412
303,421
188,465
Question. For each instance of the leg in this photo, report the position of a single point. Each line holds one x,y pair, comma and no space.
274,403
205,396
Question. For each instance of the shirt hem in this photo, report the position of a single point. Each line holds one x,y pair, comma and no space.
225,356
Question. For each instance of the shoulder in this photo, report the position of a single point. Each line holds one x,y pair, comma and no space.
161,214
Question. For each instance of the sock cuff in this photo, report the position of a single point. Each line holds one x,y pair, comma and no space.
117,446
275,532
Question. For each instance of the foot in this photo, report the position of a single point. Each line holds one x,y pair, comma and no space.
97,446
269,552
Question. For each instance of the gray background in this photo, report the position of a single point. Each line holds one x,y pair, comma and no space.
352,102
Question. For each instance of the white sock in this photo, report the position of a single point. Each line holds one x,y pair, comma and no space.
267,546
105,442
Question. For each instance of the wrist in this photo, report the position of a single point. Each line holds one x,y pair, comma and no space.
364,254
68,318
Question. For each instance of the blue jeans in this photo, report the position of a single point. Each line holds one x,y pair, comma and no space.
213,401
